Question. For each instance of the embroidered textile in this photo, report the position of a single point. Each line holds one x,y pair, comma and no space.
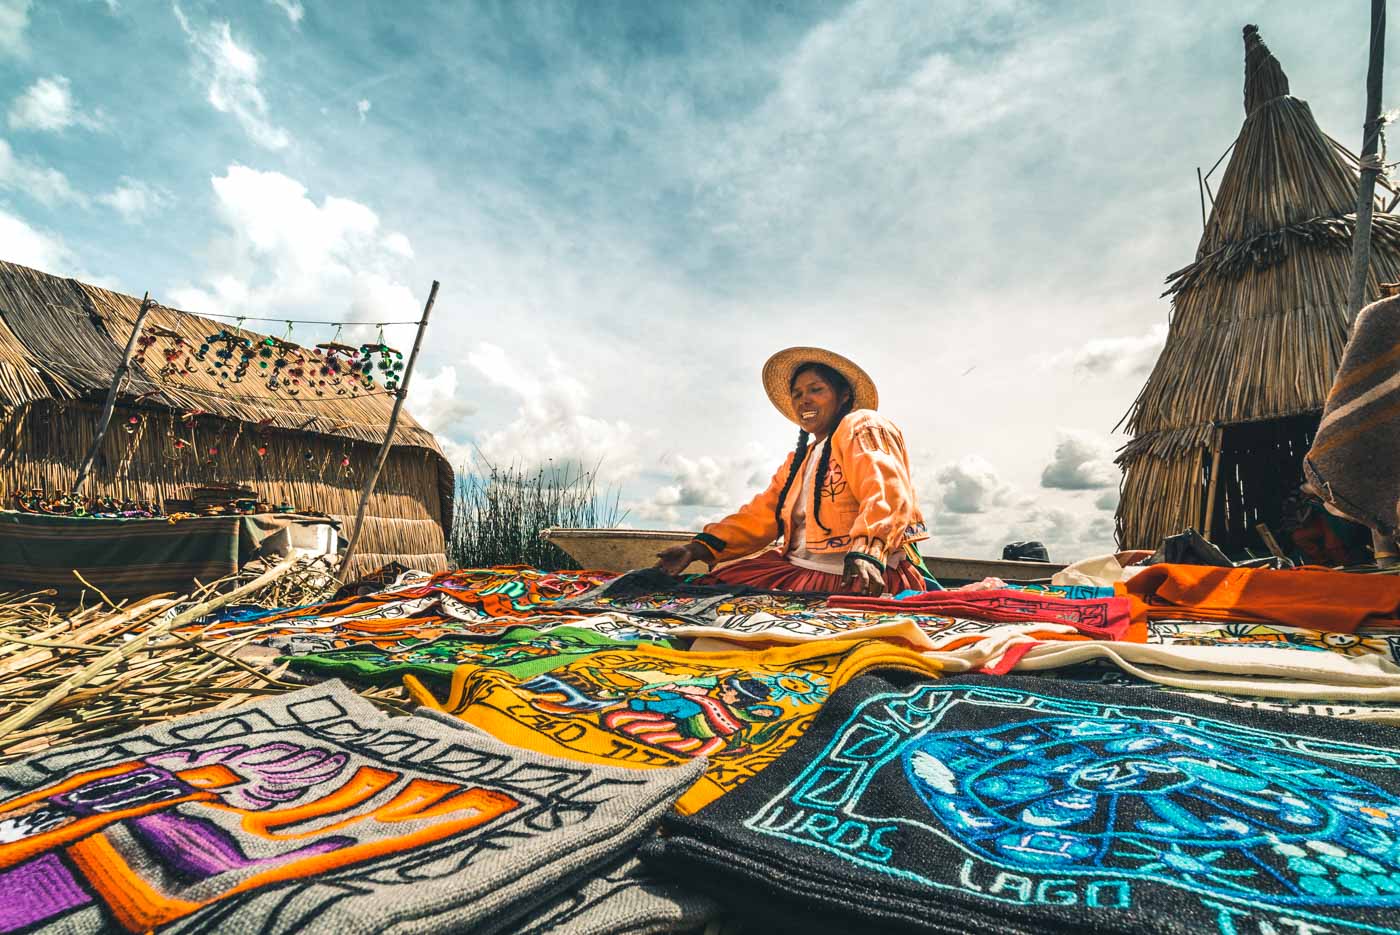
651,592
468,594
1104,619
1021,804
307,812
1378,641
928,632
519,651
1070,592
650,706
1102,673
1237,670
629,899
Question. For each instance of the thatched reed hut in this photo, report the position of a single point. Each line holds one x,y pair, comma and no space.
60,343
1257,328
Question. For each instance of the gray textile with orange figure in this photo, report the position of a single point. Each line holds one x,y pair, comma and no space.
1354,464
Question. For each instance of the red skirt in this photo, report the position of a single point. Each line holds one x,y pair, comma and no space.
772,572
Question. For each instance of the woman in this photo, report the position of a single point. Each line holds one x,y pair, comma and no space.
843,502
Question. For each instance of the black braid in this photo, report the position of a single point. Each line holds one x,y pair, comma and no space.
820,481
798,455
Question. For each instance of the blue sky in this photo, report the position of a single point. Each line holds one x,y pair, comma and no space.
631,204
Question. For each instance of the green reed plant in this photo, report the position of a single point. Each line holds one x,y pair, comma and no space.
501,511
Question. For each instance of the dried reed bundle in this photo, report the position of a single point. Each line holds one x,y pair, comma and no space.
74,674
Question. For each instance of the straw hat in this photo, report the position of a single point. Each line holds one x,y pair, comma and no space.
777,377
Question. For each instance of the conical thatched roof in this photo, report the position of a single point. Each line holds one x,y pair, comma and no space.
1259,318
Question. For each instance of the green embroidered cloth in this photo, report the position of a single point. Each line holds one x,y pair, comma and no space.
522,652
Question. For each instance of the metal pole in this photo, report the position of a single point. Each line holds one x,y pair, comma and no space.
1370,165
105,420
388,442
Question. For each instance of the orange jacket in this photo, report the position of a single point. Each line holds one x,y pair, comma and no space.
867,501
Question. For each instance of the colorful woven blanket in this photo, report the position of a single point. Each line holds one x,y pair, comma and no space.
1030,805
1354,463
649,706
309,812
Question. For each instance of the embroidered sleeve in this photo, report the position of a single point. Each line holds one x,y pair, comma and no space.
878,469
753,526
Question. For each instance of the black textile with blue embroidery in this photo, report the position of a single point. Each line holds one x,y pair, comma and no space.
1033,805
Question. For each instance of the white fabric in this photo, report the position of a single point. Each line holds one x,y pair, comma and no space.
1101,571
1237,670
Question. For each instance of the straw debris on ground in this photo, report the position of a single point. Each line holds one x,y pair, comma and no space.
167,674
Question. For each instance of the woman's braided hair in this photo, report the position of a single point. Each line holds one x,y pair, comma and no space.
841,387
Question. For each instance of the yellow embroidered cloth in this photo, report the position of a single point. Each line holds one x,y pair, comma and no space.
651,706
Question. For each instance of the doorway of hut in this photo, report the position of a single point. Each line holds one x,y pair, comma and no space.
1255,484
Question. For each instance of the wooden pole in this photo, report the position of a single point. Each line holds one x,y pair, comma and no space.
105,420
1201,190
388,442
1370,167
1214,483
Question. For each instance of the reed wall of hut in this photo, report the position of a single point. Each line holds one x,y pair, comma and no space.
1257,329
60,342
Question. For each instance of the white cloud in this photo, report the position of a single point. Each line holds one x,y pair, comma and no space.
293,8
1081,462
44,184
362,107
47,105
397,244
1108,500
232,75
288,254
971,485
1121,357
434,401
31,247
14,19
552,423
134,199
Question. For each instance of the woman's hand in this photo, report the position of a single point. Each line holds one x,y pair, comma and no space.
677,558
863,577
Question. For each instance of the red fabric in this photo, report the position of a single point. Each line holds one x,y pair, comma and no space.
1105,618
1008,660
772,572
1315,600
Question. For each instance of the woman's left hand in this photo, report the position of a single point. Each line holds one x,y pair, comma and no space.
864,578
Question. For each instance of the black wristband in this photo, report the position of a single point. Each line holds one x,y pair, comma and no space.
713,543
869,558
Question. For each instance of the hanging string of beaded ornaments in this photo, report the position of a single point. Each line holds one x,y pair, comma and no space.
232,354
284,364
338,367
389,365
179,359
